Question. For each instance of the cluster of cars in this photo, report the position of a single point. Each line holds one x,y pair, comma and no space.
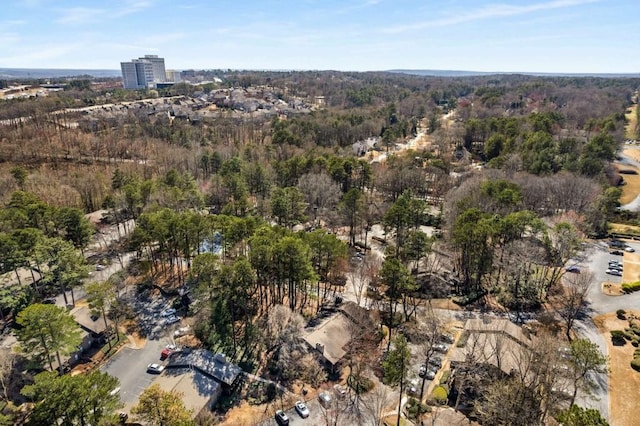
301,408
614,268
429,370
155,368
170,316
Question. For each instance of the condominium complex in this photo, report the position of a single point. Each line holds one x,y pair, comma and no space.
143,72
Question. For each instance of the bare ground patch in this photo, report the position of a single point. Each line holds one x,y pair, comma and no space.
624,382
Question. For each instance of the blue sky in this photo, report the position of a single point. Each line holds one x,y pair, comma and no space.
597,36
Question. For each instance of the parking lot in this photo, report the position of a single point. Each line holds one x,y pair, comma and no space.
129,365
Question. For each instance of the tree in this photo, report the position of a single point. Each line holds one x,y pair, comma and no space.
20,174
287,205
292,259
396,365
509,402
570,303
76,228
101,295
350,207
578,416
431,331
67,266
363,274
585,360
47,330
81,399
7,360
162,408
399,283
375,403
404,215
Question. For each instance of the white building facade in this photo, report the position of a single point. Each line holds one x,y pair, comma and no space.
143,73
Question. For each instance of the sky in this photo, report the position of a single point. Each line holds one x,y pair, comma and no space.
556,36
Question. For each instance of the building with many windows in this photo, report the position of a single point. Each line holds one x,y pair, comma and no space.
143,72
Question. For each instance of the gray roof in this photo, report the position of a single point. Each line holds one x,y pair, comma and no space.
208,363
84,318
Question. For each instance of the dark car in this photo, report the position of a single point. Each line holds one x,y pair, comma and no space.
282,418
617,252
573,268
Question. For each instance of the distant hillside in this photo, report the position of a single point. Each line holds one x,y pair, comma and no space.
54,73
452,73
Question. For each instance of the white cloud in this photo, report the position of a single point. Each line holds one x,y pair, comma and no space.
80,15
131,7
488,12
89,15
9,38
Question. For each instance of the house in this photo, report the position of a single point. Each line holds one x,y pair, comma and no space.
93,327
201,376
497,342
333,335
200,391
213,365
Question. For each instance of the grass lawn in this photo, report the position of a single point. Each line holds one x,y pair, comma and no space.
631,190
632,119
624,382
621,228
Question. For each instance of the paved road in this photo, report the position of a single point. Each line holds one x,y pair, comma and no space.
129,365
595,259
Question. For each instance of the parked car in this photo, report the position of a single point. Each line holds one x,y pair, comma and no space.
431,374
447,338
615,272
436,362
172,319
282,418
440,347
166,353
99,267
423,371
302,409
325,399
615,263
629,249
342,392
617,253
573,269
413,388
168,312
155,368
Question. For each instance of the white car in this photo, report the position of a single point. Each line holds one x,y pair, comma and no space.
615,272
302,409
155,368
168,312
629,249
173,319
342,392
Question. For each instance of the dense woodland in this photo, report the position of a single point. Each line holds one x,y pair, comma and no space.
517,171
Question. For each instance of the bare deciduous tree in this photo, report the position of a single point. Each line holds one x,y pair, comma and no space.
570,304
7,360
361,276
375,403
